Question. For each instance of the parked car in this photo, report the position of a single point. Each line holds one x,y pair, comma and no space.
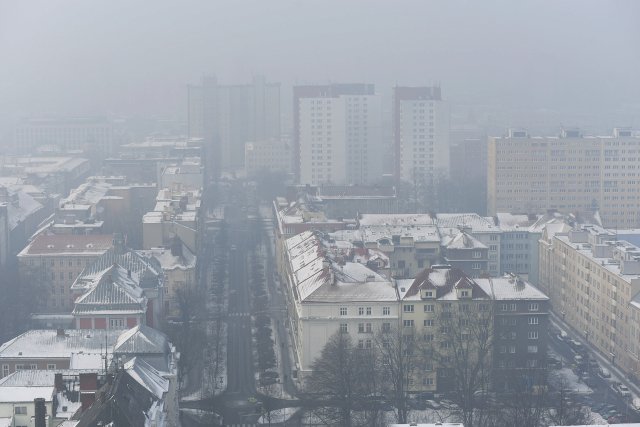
576,345
433,404
604,372
635,404
593,365
622,390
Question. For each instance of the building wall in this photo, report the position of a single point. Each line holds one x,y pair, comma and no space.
593,295
10,365
421,133
57,272
269,155
7,410
318,322
568,174
337,136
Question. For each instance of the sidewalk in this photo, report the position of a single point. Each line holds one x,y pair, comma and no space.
602,360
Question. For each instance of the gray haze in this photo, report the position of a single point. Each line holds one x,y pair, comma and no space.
78,57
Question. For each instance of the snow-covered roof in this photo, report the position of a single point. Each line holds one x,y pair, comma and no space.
317,278
114,291
147,376
46,343
168,261
453,221
88,361
24,207
368,220
142,269
443,280
516,222
510,288
462,241
142,340
418,232
26,394
8,422
69,244
29,378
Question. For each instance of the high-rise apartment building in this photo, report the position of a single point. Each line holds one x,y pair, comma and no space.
420,133
569,173
228,116
337,134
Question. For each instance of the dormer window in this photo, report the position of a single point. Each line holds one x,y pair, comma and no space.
428,293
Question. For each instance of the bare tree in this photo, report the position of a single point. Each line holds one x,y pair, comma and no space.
341,379
560,410
462,350
524,405
398,356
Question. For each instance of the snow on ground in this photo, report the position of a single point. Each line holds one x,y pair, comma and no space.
566,378
278,416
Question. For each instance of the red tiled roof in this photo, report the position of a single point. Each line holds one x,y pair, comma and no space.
69,243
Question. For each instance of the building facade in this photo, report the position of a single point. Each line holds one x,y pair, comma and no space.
56,261
337,137
228,116
420,134
570,173
272,155
594,285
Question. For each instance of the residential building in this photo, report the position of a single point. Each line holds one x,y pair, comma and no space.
483,229
447,307
20,216
347,201
179,266
468,161
52,349
228,116
187,174
51,174
176,213
520,326
56,260
420,134
141,161
60,391
337,134
89,135
119,290
465,252
594,284
326,297
138,395
271,155
410,241
570,173
114,201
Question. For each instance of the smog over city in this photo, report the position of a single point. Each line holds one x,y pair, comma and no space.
319,213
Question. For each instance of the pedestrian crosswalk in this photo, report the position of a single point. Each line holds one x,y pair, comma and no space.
239,314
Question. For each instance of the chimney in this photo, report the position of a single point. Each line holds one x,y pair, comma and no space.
60,332
58,383
40,412
176,247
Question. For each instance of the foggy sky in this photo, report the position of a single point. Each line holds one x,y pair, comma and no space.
99,57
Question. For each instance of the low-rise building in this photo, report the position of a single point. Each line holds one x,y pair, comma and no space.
176,214
56,260
52,349
326,297
179,266
467,253
481,228
119,290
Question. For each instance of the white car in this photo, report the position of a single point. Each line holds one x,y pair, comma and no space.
622,390
604,373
